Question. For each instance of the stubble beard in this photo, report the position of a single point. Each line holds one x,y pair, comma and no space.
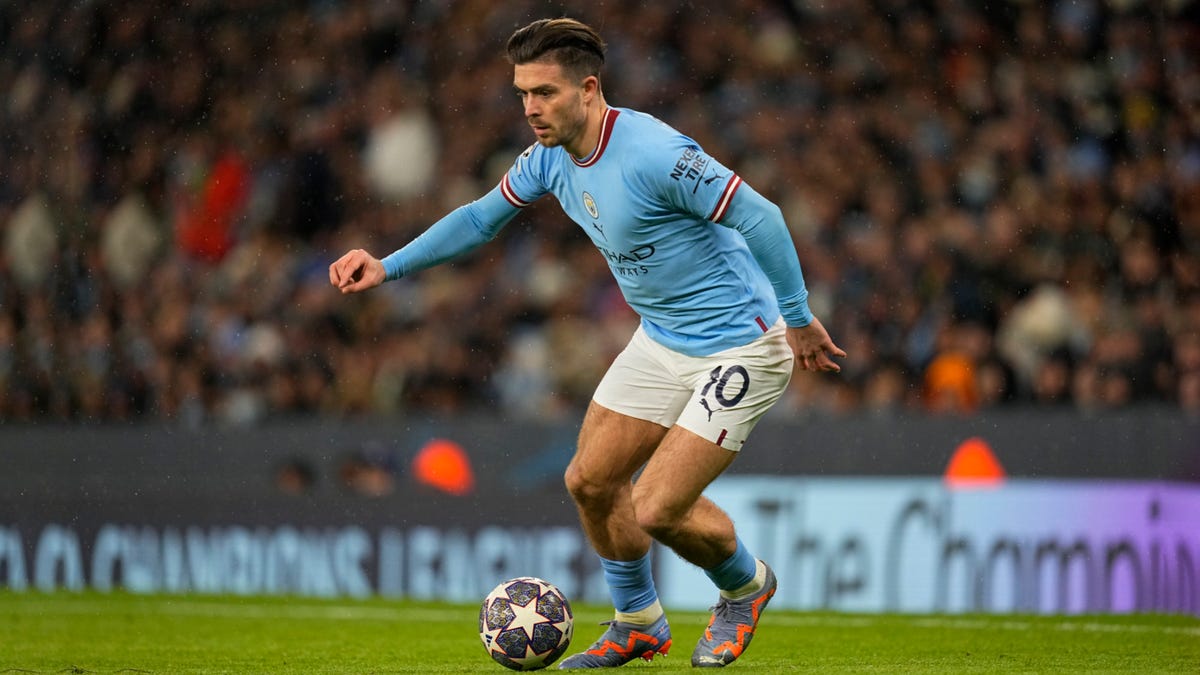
561,133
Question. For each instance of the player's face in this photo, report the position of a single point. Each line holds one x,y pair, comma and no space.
554,104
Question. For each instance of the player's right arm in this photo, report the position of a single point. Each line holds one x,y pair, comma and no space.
459,232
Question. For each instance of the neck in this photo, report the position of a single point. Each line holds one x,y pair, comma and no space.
589,140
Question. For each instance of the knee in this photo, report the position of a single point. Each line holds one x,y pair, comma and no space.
587,491
655,519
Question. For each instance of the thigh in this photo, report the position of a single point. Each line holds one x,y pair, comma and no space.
676,476
613,446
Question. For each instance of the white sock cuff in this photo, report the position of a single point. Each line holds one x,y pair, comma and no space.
643,617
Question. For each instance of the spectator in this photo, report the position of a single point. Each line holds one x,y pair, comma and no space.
169,181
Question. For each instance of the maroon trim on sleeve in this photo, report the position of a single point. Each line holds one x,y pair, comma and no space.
507,191
726,197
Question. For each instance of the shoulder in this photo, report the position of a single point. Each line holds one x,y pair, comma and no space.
533,156
651,145
537,163
648,133
529,177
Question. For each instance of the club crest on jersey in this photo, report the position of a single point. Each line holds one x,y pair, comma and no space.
590,205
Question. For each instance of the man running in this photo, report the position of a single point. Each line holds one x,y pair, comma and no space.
709,266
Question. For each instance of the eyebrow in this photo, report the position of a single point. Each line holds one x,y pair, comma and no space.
538,89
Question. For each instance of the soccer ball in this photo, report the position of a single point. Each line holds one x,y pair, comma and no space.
525,623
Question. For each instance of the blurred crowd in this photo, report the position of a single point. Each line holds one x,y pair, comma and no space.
995,204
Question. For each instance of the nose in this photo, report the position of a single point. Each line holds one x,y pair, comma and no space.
531,107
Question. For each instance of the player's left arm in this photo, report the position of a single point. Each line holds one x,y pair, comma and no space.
762,225
694,182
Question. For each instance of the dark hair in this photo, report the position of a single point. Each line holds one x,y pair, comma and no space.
567,42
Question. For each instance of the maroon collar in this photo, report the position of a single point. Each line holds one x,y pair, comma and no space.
606,129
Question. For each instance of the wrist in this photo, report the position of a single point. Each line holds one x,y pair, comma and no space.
392,269
797,315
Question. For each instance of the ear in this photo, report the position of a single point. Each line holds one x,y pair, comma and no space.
591,87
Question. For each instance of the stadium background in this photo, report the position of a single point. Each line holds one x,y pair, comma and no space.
996,207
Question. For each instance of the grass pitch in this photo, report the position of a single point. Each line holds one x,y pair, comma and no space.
121,633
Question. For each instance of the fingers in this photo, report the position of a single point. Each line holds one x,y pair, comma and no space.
341,270
814,349
335,277
347,271
819,360
825,363
350,276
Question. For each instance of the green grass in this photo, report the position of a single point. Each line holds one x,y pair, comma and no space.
121,633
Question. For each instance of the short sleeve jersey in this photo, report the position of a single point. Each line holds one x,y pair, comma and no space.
651,200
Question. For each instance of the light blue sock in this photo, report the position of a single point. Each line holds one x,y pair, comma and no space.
737,571
630,583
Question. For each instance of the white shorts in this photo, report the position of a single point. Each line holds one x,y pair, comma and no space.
719,397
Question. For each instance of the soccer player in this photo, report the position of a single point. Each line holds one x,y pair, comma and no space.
709,266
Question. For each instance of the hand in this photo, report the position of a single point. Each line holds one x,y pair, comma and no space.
813,347
356,271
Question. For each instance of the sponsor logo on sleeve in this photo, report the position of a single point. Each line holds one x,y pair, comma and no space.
689,168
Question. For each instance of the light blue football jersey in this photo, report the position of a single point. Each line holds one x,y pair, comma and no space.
651,199
704,259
